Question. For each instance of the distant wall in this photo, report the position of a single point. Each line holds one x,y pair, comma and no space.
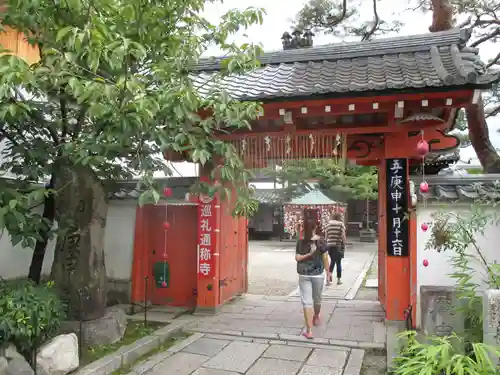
118,247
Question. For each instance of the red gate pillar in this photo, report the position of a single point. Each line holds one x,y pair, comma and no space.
382,241
397,268
209,222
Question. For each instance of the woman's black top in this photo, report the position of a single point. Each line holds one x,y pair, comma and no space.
312,266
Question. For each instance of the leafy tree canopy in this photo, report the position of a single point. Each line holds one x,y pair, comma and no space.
110,94
358,182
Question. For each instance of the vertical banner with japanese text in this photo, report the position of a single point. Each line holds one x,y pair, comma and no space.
207,235
397,207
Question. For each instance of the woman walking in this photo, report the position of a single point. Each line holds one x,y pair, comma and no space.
335,240
312,261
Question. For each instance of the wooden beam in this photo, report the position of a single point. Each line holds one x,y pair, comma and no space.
381,100
347,129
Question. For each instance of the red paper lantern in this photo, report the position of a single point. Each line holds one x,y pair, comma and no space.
424,227
167,192
422,148
424,187
425,262
166,225
164,284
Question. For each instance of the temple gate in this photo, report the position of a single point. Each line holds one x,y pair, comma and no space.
376,100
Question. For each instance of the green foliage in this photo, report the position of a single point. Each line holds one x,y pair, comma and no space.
29,314
112,93
457,355
458,233
357,181
440,355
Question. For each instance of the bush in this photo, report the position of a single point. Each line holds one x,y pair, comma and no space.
29,315
443,356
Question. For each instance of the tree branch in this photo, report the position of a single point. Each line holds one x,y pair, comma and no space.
493,61
487,37
493,112
64,117
375,23
79,123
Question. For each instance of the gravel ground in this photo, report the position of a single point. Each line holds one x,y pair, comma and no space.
271,268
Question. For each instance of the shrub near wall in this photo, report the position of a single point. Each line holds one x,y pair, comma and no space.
29,315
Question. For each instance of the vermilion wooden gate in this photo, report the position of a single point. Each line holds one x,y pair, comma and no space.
232,253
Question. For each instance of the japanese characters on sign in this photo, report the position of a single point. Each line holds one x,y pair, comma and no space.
206,231
397,207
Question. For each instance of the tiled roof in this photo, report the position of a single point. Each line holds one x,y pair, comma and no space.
411,62
180,186
460,188
268,196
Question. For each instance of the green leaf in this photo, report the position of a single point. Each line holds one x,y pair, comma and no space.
63,32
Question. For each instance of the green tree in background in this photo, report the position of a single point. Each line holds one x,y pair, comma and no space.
109,95
357,182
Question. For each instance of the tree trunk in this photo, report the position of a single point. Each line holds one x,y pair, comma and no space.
480,138
442,19
35,271
79,269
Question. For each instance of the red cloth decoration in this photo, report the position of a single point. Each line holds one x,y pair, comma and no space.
167,192
422,148
424,187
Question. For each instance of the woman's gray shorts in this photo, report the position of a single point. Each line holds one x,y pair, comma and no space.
311,289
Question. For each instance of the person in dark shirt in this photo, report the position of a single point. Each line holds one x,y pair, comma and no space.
335,240
312,262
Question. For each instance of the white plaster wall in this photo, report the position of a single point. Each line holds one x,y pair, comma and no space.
119,239
440,267
118,246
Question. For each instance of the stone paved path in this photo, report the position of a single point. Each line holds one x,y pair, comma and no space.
344,323
258,334
209,354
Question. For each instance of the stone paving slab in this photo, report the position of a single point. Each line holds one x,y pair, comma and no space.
258,317
236,357
271,366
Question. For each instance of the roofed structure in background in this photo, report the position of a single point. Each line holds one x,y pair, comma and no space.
435,162
180,187
468,189
268,196
436,60
311,198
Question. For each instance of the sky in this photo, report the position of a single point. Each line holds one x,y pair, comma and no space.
278,19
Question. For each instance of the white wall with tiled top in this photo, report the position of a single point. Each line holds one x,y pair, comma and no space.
439,268
118,246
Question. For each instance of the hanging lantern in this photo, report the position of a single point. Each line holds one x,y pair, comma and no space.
167,192
164,284
166,225
424,227
424,187
422,147
425,262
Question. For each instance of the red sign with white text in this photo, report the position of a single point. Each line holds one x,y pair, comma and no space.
206,232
